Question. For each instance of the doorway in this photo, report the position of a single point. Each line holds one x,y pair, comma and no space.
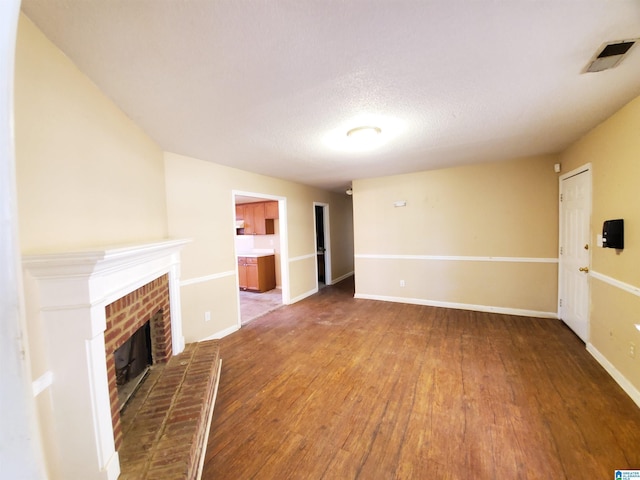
575,250
260,249
323,253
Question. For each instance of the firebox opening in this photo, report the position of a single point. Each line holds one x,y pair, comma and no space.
133,360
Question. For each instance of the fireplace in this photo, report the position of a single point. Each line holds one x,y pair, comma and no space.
130,319
84,299
133,359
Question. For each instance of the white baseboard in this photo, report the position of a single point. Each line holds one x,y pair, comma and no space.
461,306
221,333
620,379
340,278
303,296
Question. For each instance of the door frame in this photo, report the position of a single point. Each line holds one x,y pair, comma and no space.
284,243
21,433
577,171
327,243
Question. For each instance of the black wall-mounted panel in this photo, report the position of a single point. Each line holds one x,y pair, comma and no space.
613,234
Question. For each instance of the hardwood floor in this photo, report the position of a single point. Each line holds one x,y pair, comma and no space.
339,388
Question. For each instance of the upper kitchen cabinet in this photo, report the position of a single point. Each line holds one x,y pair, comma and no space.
271,210
239,212
254,219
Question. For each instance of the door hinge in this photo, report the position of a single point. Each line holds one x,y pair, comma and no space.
561,197
560,302
561,250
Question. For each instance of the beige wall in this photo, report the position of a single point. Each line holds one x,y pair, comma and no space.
87,175
341,233
200,206
503,209
613,150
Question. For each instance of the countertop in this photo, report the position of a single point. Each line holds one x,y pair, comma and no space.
256,253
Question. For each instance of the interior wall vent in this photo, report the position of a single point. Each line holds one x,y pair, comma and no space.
609,55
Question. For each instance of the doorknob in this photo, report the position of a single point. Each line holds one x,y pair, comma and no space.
584,269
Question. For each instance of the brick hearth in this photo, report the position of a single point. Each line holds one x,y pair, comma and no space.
166,424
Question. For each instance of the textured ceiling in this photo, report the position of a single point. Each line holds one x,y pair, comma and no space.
261,85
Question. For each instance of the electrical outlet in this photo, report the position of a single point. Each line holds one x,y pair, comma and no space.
402,283
207,316
632,350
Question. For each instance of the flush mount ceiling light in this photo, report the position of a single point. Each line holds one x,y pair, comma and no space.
364,138
364,133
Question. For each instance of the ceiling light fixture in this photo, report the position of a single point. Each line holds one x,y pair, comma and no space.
364,133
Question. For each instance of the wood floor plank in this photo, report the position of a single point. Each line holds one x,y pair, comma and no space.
340,388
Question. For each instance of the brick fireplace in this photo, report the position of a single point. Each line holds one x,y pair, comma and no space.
90,302
149,303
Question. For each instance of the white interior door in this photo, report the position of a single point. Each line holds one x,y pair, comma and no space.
575,253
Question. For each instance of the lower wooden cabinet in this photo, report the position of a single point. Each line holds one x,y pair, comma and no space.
257,274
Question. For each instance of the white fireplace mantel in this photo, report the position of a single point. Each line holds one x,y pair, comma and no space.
73,290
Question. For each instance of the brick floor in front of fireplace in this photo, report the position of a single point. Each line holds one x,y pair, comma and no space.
166,423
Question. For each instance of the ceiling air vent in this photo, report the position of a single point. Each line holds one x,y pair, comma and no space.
610,55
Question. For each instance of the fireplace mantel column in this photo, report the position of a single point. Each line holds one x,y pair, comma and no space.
74,289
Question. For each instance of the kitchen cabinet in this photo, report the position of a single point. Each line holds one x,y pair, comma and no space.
254,217
239,212
257,213
271,210
257,273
